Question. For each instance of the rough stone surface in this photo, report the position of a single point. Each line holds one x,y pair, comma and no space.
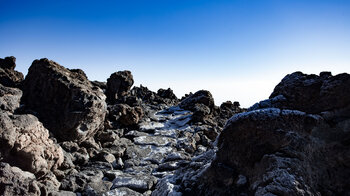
65,101
118,85
9,98
25,143
125,114
14,181
200,97
8,76
313,93
288,155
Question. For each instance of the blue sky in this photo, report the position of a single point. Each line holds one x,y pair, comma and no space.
237,49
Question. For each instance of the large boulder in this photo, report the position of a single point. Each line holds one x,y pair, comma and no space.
9,98
201,104
64,100
24,142
279,152
295,143
8,75
14,181
200,97
310,93
118,85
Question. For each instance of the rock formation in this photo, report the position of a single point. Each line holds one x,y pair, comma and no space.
118,85
63,138
64,100
8,76
295,143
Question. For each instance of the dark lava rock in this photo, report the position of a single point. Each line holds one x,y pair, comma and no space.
311,93
65,101
157,100
166,93
125,114
8,76
118,85
200,97
9,98
14,181
279,152
101,85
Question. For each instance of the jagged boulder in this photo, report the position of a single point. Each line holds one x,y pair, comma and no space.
25,142
201,104
310,93
166,93
278,152
8,75
118,85
125,115
64,100
275,149
200,97
9,98
14,181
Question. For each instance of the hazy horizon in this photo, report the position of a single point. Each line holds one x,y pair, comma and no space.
238,50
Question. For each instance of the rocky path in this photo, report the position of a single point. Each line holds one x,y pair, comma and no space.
164,143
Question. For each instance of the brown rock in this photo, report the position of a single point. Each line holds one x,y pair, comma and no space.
66,102
8,76
118,85
14,181
25,143
312,93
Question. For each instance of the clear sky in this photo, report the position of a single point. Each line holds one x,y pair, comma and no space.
237,49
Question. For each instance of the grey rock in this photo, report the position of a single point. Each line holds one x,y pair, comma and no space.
66,102
9,98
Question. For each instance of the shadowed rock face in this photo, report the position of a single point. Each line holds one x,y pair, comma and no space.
118,85
14,181
8,75
64,100
271,150
311,93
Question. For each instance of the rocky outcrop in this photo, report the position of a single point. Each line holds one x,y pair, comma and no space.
9,98
64,100
118,85
272,151
201,104
14,181
310,93
25,143
8,76
125,115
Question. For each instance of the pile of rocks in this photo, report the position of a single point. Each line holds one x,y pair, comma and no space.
62,134
295,143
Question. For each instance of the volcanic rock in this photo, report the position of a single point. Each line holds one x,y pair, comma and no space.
14,181
65,101
200,97
118,85
9,98
312,93
24,142
8,76
125,114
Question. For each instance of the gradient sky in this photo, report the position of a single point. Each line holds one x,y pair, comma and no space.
237,49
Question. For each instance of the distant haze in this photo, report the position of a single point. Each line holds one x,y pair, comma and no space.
239,50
